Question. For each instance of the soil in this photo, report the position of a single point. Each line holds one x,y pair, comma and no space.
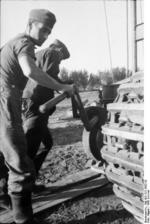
67,156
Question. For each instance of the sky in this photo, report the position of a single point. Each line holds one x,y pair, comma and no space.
81,25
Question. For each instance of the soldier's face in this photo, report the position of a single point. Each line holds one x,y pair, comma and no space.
39,32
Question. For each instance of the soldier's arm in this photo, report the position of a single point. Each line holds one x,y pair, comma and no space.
31,71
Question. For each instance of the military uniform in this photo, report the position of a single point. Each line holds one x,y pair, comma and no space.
34,95
35,123
13,150
13,141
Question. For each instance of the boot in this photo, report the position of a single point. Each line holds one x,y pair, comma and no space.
22,207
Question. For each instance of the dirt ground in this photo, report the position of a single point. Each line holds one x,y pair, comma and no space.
67,156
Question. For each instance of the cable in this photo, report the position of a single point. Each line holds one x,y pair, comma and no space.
127,36
108,37
141,12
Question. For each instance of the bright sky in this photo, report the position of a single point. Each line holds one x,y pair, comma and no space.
81,25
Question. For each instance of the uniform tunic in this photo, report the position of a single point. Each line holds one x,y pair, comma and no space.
48,61
13,142
35,123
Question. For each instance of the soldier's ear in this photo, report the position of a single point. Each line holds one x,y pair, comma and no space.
61,55
30,24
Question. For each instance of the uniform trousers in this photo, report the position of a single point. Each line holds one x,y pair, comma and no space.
37,132
13,149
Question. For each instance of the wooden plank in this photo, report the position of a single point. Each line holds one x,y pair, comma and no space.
76,178
47,199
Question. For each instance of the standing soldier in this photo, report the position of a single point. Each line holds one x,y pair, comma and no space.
17,65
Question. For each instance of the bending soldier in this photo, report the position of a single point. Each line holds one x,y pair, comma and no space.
34,95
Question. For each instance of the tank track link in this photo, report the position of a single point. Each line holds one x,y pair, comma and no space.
123,148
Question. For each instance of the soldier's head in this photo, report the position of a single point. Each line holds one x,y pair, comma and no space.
61,48
40,25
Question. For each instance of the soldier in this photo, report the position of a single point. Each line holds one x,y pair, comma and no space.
34,95
17,65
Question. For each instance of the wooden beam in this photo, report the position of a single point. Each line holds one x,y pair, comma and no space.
47,199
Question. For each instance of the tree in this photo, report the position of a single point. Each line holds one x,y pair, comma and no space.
80,78
105,77
117,74
94,81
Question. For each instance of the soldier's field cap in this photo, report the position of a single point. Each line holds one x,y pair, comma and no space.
63,47
44,16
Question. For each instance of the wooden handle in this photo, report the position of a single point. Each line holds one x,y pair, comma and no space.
83,115
51,103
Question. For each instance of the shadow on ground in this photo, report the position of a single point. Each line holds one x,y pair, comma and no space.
104,217
107,213
67,135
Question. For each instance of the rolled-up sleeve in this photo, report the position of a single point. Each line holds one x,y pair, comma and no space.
25,47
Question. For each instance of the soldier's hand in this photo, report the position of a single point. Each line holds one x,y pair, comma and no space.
70,89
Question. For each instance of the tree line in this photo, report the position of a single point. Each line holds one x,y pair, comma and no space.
89,81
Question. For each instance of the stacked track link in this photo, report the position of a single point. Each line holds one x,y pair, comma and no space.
123,148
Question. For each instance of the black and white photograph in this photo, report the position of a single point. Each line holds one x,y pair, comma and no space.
72,112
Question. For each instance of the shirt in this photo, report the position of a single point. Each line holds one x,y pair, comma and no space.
47,60
10,70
